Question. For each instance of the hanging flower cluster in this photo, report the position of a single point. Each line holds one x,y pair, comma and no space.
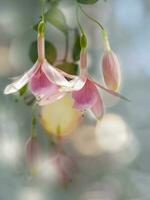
49,84
52,87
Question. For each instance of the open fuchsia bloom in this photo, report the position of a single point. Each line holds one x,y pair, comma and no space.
88,96
44,80
110,67
49,84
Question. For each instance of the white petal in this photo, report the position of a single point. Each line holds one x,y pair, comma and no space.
66,74
18,84
54,75
110,91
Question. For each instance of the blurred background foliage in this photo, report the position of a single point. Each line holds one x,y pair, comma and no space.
112,156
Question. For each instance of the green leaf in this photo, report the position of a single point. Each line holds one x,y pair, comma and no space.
76,47
70,68
35,27
56,17
50,52
23,90
87,1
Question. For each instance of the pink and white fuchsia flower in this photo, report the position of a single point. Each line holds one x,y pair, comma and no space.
43,79
49,84
88,97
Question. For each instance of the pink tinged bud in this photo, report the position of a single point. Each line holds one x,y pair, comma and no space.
32,151
66,168
111,70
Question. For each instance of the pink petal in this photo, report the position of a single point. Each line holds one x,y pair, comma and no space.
54,75
110,91
18,84
86,97
40,85
98,107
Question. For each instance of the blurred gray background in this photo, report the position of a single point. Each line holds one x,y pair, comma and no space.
119,169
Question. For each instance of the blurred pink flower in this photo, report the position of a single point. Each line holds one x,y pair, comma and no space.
65,166
32,151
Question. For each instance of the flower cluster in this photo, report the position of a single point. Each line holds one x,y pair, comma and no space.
57,92
48,84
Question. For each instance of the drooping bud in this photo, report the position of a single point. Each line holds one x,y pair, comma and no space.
66,168
32,151
111,70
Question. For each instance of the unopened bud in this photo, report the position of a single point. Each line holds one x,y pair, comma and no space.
32,151
111,70
66,167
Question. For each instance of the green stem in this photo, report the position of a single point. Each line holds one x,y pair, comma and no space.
91,18
78,22
42,9
66,47
102,29
33,123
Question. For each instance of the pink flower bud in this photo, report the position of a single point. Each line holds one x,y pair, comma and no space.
111,70
32,151
66,168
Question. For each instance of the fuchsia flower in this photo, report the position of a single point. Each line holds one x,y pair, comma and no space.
88,96
49,84
43,79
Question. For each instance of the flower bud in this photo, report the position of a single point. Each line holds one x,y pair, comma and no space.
111,70
32,151
66,168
